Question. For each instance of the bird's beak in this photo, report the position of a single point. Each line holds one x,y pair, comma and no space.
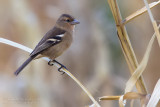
74,22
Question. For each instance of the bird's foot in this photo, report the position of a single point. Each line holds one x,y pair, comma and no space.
60,69
51,63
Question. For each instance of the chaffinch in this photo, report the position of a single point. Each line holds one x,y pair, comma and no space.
54,42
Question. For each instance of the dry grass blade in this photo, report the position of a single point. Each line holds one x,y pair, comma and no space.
155,97
122,102
126,45
131,96
153,22
139,12
109,98
138,72
5,41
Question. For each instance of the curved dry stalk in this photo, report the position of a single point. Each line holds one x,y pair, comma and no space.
14,44
138,72
141,67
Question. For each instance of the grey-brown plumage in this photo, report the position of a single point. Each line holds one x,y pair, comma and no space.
54,42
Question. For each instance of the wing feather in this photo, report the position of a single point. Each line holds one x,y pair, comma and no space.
51,38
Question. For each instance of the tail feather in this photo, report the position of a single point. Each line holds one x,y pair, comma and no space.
24,65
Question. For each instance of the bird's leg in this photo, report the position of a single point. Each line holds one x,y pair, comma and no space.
51,63
62,66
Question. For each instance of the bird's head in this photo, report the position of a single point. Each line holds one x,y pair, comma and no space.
67,22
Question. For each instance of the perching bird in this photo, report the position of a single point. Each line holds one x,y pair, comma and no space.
54,42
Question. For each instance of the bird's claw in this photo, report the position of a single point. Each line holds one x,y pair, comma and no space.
51,63
60,69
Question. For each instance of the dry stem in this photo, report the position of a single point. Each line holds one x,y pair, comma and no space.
126,45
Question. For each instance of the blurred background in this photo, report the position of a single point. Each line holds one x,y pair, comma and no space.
95,57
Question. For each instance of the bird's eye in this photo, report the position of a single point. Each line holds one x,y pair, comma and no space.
67,20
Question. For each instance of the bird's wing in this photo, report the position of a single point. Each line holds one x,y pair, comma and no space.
51,38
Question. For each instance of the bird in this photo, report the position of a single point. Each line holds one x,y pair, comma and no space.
53,44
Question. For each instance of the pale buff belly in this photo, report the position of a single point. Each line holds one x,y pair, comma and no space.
56,50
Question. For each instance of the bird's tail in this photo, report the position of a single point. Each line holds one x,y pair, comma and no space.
24,65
